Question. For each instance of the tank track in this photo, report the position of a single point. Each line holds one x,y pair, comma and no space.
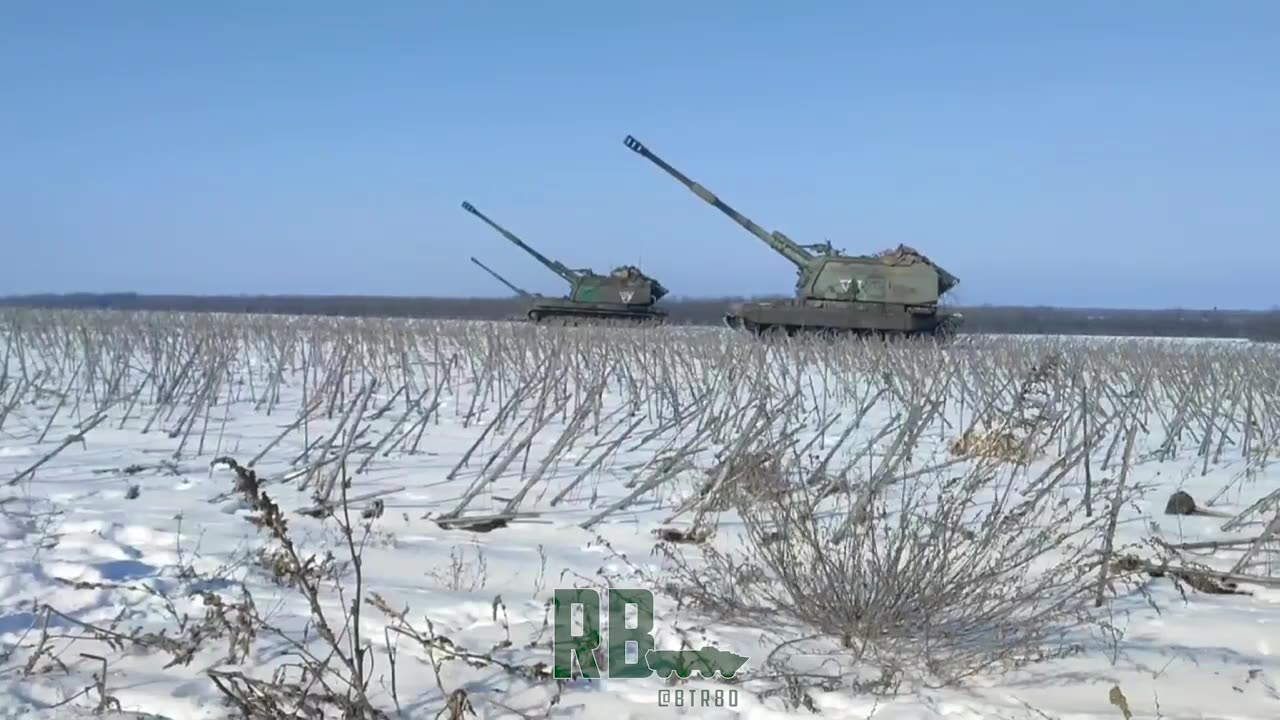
575,318
944,332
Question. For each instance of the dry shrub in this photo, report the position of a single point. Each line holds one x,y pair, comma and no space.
332,675
324,672
944,576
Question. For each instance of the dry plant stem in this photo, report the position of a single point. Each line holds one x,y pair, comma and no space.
1271,532
75,437
1088,470
1113,517
326,493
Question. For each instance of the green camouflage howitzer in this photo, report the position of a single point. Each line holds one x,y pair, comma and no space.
894,293
624,295
683,663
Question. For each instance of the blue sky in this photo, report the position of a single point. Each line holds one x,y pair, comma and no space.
1086,153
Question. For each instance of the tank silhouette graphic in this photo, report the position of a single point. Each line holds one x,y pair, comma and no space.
707,661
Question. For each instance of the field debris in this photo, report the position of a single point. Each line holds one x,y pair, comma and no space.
1204,580
995,445
691,536
1180,503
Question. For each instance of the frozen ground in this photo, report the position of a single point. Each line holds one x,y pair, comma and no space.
129,530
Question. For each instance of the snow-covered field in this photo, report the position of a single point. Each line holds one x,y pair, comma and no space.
902,532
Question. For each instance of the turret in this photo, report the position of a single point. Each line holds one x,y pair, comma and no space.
501,279
783,245
905,255
558,268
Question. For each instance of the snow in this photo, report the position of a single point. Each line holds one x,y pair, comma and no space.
77,537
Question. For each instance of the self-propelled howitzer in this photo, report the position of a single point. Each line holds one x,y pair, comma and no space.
625,294
893,293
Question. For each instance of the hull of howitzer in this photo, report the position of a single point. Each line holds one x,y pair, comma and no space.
560,311
871,319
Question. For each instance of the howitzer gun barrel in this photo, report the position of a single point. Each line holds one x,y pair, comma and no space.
776,240
501,279
555,267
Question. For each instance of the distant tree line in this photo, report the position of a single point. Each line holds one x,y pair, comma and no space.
1246,324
